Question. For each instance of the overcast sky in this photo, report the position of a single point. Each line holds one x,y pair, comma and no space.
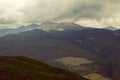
95,13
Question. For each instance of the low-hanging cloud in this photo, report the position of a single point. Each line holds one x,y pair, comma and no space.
29,11
47,10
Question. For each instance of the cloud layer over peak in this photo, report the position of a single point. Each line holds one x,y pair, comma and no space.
102,12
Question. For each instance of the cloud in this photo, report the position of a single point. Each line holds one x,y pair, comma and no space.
47,10
51,10
101,13
3,21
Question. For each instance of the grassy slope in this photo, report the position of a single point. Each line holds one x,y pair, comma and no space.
80,66
23,68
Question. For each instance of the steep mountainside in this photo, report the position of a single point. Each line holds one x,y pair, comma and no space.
23,68
105,43
101,46
38,44
93,40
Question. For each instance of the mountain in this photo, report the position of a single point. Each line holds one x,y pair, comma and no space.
8,31
100,47
37,42
44,26
92,40
40,45
4,32
27,28
61,26
23,68
110,28
117,32
102,42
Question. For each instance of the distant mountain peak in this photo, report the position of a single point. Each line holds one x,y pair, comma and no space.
33,25
60,26
110,28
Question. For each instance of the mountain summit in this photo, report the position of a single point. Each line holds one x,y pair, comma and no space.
110,28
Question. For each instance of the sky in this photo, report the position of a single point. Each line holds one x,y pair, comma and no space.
92,13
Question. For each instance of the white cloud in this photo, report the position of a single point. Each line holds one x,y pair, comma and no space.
86,12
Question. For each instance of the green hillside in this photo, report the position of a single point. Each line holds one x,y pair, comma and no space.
23,68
